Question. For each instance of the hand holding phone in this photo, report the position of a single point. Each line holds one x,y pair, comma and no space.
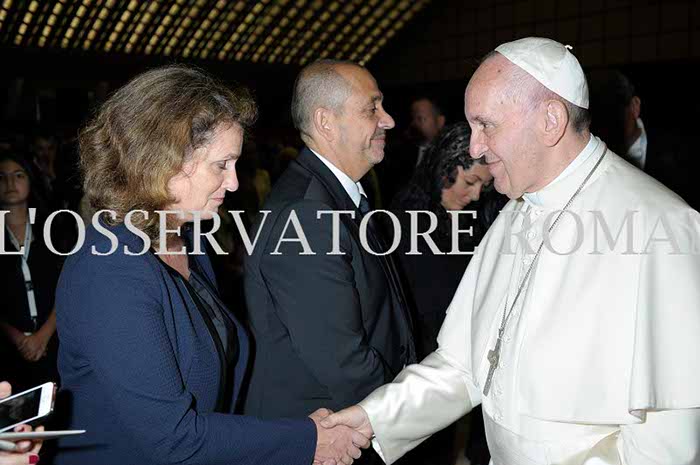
23,451
26,406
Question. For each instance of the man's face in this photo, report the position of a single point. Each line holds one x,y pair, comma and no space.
425,120
502,130
45,150
363,122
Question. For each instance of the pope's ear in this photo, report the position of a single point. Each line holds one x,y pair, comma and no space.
556,118
324,123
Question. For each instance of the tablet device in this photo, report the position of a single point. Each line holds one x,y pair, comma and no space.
36,435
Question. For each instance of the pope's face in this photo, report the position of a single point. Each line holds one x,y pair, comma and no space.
502,131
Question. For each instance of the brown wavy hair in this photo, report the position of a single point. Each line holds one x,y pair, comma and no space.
144,133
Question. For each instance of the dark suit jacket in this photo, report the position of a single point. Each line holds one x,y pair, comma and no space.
144,375
670,161
328,329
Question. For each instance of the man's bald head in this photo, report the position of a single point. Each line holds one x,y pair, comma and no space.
529,93
320,84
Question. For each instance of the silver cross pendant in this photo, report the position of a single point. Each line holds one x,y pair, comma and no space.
493,357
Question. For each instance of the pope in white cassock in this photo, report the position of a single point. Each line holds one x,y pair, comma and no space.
577,322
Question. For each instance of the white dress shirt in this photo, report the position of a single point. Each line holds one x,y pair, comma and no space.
354,189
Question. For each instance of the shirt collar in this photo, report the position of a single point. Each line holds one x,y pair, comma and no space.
354,189
548,195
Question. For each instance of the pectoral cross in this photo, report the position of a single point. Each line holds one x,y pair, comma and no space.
492,357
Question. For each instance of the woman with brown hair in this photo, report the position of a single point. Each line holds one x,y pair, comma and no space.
151,359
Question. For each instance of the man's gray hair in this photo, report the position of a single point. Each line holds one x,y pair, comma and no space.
319,85
528,91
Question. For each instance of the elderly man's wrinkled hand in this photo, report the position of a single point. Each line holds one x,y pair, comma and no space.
353,417
338,445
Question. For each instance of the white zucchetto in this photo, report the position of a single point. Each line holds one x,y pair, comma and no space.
552,64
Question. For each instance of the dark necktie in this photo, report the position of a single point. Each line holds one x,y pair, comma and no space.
373,227
376,240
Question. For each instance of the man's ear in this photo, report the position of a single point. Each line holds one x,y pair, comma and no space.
635,107
324,123
556,118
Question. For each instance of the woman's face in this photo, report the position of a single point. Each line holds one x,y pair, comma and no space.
205,178
466,188
14,184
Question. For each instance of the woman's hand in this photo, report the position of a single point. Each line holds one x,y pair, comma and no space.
27,452
33,347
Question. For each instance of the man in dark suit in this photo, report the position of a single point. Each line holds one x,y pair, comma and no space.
328,317
616,119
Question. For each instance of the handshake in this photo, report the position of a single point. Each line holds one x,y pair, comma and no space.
340,436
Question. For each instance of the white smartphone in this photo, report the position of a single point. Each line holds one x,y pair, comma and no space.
27,406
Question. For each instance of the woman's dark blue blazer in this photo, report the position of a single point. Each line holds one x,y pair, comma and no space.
142,374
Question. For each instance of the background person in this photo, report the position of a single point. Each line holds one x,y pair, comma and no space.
616,116
427,120
447,180
152,361
408,149
27,282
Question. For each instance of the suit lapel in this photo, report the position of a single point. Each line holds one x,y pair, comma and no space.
342,201
310,162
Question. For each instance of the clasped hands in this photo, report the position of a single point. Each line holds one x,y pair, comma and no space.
341,435
32,347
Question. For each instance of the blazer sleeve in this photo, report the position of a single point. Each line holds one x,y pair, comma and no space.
316,297
115,314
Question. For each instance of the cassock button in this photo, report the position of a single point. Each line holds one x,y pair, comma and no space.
531,234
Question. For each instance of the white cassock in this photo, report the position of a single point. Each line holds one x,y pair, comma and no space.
601,357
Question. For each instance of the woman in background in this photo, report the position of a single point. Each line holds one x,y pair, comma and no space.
447,180
27,281
152,361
